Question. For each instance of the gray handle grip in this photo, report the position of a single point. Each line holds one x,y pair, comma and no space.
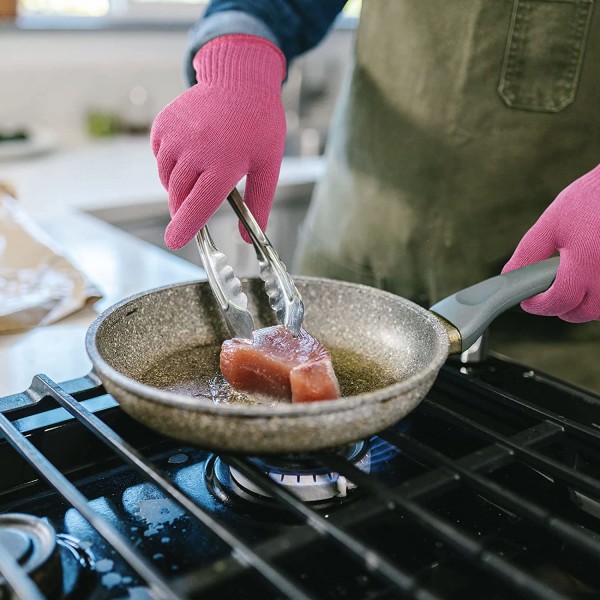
473,309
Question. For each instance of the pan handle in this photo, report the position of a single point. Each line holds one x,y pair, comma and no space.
472,310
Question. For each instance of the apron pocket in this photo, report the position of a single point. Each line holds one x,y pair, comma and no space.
544,53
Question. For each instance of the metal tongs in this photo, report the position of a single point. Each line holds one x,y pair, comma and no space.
284,298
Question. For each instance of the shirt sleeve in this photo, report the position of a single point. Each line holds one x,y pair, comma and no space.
295,26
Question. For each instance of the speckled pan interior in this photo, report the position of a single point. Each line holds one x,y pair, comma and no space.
404,340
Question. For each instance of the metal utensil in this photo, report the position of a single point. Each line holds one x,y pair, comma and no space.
226,287
284,297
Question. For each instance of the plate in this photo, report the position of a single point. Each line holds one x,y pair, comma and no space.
39,141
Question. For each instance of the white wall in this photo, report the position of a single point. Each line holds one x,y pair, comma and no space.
53,78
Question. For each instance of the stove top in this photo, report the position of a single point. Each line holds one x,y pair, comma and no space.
489,489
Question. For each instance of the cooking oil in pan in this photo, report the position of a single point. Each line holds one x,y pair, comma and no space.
195,372
357,374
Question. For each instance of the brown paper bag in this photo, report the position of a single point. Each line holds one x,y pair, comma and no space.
8,9
38,285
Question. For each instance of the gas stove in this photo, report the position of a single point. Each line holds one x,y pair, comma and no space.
489,489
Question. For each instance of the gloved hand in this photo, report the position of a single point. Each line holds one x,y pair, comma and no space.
229,125
571,226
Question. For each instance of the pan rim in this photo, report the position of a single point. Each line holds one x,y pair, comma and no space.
181,401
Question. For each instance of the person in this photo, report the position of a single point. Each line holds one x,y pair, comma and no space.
461,123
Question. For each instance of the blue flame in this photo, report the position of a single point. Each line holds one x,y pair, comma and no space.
381,452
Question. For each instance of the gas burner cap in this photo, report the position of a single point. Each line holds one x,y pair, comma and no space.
32,543
303,476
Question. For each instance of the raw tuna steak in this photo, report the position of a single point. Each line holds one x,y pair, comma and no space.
278,364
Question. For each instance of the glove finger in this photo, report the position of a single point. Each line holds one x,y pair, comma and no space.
166,163
588,310
206,196
155,141
259,194
181,181
537,244
564,295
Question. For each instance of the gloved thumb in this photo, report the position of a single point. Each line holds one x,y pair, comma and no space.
537,244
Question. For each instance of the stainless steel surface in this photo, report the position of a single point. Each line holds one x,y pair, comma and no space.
28,547
309,486
225,286
284,297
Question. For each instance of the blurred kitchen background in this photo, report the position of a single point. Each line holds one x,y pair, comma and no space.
80,83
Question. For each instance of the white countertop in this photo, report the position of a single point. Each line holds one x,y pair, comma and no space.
119,265
56,189
109,173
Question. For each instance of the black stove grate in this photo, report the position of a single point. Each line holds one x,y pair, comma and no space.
495,497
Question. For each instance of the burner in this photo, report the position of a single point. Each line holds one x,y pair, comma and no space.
305,477
57,563
33,544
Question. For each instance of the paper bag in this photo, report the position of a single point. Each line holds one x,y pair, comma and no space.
38,285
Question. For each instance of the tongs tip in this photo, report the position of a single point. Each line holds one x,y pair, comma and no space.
284,297
293,319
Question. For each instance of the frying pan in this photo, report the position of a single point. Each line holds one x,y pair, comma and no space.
141,349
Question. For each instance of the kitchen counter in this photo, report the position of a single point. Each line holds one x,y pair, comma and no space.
113,173
120,265
57,190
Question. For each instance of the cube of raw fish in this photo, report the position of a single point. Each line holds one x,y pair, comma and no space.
278,364
314,380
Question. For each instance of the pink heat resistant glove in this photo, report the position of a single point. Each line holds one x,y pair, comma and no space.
229,125
571,226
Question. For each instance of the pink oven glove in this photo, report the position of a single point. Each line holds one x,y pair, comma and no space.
229,125
570,226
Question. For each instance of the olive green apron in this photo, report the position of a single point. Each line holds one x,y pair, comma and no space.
461,121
